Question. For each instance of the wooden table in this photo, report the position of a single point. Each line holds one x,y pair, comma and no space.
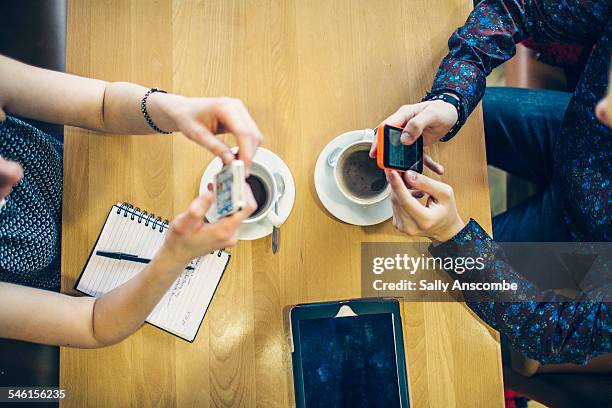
308,71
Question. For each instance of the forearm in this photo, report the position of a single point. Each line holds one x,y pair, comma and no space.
41,316
120,312
93,104
478,47
493,29
53,318
543,325
49,96
122,114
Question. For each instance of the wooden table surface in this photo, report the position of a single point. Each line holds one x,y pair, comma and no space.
308,71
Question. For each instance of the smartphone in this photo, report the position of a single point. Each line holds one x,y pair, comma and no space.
229,189
393,155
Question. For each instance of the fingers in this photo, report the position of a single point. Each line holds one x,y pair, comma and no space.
225,231
430,120
440,191
403,222
416,193
373,148
200,206
415,126
433,165
193,218
399,118
10,174
403,115
234,220
234,117
403,196
201,135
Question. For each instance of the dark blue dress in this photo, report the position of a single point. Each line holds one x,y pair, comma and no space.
30,223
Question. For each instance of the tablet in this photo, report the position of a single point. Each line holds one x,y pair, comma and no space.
348,354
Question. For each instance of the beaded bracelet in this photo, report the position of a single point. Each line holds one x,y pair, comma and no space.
143,109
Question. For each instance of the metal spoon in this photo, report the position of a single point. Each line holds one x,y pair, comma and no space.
280,184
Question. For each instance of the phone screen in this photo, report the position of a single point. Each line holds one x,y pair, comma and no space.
350,361
399,156
223,192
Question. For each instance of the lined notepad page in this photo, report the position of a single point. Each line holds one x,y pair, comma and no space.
183,307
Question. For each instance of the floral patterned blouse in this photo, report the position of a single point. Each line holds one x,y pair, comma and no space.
555,331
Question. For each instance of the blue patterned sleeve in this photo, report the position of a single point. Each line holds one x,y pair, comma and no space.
552,329
493,28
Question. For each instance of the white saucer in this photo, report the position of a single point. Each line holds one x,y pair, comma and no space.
270,160
331,197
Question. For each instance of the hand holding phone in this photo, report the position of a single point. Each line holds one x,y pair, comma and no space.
230,196
392,154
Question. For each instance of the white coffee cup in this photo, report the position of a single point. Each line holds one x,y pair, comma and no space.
270,190
337,159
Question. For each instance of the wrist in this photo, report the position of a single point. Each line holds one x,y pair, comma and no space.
452,95
451,112
454,99
170,260
163,109
455,106
450,231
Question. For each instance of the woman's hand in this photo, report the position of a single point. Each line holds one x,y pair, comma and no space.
53,318
437,219
10,174
57,97
201,119
190,236
431,120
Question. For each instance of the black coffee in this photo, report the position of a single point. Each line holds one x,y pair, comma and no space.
361,176
260,193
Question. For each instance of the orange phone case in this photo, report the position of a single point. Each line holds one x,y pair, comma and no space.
380,152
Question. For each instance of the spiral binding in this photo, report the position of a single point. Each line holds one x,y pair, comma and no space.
136,214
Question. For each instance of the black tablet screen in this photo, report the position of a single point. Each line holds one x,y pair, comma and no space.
349,361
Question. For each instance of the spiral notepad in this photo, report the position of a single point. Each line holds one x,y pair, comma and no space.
137,232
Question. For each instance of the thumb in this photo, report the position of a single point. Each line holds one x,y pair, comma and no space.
193,218
415,126
404,114
373,148
440,191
